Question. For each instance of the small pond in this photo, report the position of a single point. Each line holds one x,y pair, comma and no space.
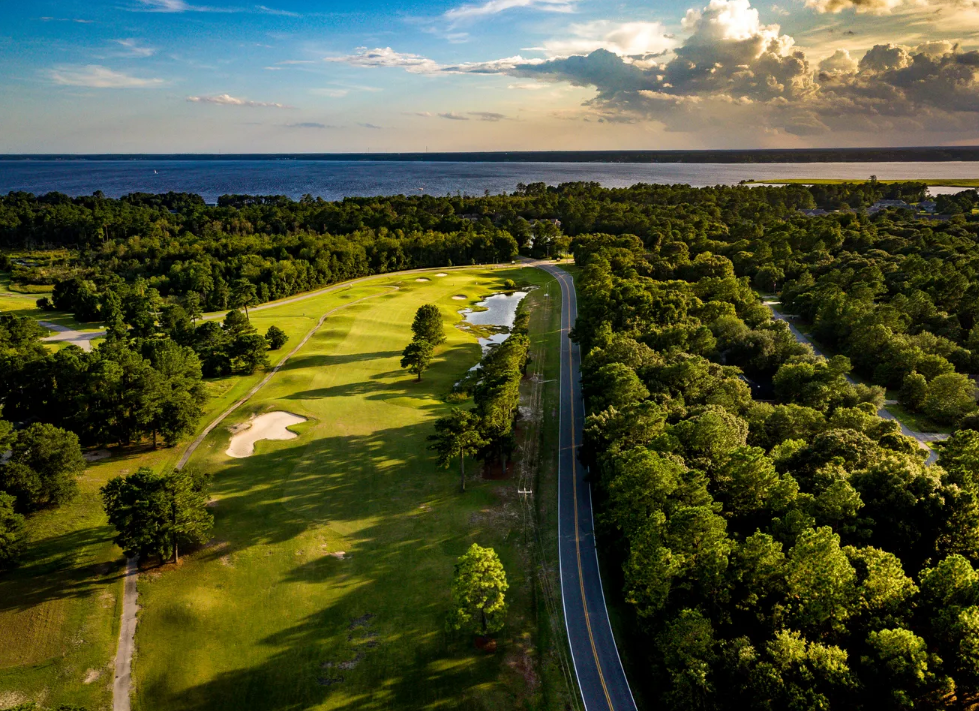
498,317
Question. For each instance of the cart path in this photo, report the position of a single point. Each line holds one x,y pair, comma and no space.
922,438
82,339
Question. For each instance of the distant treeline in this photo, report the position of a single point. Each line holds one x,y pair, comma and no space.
768,155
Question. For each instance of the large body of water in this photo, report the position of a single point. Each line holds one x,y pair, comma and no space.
333,180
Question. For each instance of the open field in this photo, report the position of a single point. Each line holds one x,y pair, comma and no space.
251,620
964,183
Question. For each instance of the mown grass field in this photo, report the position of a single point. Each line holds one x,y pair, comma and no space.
250,620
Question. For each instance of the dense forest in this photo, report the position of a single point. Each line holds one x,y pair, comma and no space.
781,546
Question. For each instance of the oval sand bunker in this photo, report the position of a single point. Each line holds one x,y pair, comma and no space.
441,274
460,297
422,279
271,425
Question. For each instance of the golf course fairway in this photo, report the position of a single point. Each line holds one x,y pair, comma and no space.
326,584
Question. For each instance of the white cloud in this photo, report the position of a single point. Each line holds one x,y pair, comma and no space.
333,93
839,63
168,5
135,49
387,57
273,11
494,7
452,116
228,100
95,76
627,38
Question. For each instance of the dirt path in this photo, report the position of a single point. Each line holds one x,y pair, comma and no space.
82,339
127,640
922,438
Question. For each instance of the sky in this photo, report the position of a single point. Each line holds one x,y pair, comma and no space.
213,76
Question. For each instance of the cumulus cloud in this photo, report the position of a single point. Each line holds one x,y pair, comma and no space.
95,76
633,39
494,7
839,63
733,72
228,100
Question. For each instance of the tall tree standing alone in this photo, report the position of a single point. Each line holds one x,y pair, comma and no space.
428,325
456,435
478,592
417,356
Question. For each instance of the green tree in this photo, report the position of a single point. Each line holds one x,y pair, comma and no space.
614,385
417,356
276,338
192,305
243,295
913,392
457,435
157,514
479,592
949,398
43,467
902,667
820,581
427,325
11,530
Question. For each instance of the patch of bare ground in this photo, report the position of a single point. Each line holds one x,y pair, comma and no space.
91,675
97,455
9,699
520,660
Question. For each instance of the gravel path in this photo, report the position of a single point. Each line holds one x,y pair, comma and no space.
127,640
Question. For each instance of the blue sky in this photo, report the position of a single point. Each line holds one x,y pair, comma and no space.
219,76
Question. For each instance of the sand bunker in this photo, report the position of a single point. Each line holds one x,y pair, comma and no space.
271,425
441,274
422,279
460,297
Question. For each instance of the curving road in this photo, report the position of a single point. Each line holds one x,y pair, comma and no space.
601,678
922,438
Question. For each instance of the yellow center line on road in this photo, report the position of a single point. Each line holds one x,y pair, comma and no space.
574,489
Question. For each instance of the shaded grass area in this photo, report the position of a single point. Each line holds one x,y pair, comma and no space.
327,582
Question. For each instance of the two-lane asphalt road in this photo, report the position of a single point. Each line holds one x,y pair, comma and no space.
601,677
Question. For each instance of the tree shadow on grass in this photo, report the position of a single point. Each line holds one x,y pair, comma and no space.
325,361
377,641
57,567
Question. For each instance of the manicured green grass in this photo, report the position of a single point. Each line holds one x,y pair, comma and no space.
963,183
265,615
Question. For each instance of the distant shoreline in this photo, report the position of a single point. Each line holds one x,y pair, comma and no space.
930,182
814,155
